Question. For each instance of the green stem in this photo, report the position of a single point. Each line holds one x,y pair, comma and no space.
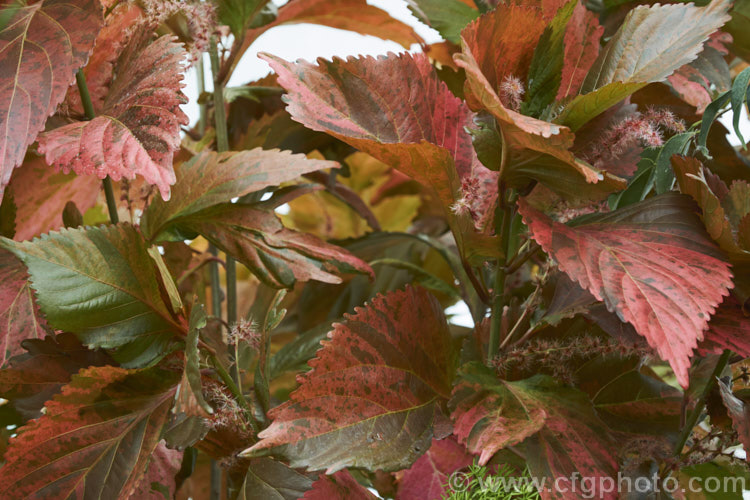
213,271
229,382
88,109
201,73
498,289
696,413
220,118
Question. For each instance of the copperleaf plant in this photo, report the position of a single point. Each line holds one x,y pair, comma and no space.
260,303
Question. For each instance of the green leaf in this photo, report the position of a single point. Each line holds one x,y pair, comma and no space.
545,73
294,355
212,178
663,173
739,93
166,279
268,479
585,107
709,116
238,14
421,276
101,284
192,355
447,17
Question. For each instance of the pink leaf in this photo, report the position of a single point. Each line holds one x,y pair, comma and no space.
340,485
20,317
429,475
42,45
138,129
652,263
158,482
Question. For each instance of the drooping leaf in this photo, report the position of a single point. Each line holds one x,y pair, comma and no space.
137,129
212,178
19,315
32,378
100,284
419,129
371,396
192,359
159,481
652,263
447,17
738,411
352,15
42,45
95,438
630,399
277,256
557,424
691,177
581,49
543,146
429,475
338,485
268,479
651,44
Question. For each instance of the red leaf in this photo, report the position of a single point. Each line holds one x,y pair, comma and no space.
738,411
42,45
110,42
20,318
729,329
581,50
429,475
41,193
502,41
371,396
558,425
35,376
652,263
396,109
339,486
138,129
158,483
95,438
417,129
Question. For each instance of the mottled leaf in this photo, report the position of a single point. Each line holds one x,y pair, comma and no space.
371,396
557,424
19,315
212,178
651,263
268,479
42,45
32,378
428,477
137,129
159,481
95,438
418,129
545,141
100,284
581,49
339,485
652,42
738,411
